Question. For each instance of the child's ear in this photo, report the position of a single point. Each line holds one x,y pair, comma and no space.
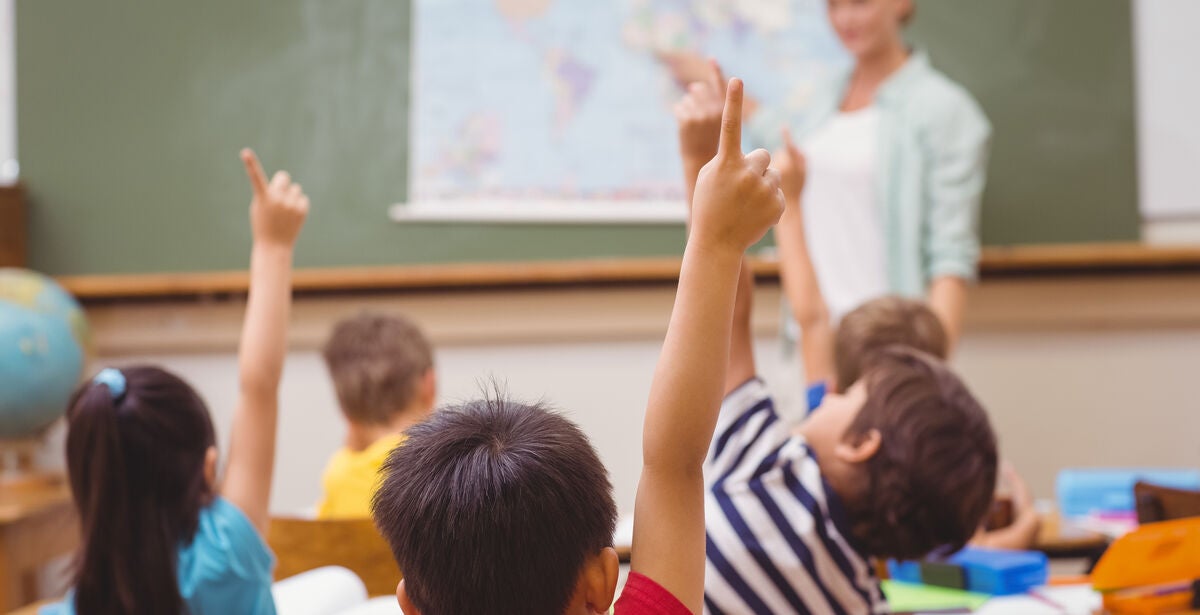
211,456
406,605
428,391
860,449
600,580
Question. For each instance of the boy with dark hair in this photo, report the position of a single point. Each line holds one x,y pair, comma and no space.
502,508
382,370
907,458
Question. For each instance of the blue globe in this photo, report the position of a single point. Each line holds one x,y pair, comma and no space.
43,339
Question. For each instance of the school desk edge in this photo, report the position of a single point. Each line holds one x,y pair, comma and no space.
996,261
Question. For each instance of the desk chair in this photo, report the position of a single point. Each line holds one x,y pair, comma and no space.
301,545
1155,503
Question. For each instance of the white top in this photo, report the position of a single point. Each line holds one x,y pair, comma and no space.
842,214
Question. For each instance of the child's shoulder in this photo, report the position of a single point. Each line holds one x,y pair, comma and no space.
642,595
750,430
226,544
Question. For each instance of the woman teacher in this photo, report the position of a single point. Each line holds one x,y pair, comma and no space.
895,154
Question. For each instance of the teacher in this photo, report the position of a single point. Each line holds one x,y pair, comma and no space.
895,154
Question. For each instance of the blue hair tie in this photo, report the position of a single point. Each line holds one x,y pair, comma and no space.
114,380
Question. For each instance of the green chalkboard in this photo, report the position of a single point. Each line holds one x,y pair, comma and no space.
1056,78
130,117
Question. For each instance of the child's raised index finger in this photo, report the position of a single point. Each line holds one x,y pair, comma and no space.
254,170
731,120
788,142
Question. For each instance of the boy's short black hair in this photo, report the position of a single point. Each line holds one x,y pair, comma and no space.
934,477
493,507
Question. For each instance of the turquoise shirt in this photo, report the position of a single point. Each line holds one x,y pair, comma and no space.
934,142
226,569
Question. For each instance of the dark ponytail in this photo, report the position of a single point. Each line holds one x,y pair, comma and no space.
135,458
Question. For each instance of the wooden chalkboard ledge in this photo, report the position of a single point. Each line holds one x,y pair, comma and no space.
1087,257
399,277
996,261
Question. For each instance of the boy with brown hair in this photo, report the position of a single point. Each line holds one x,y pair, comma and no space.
382,370
900,464
501,508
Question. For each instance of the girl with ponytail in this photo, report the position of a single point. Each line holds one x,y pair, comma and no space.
161,534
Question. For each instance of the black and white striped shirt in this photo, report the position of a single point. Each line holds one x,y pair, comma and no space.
777,537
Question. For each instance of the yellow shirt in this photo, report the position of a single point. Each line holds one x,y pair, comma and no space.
352,477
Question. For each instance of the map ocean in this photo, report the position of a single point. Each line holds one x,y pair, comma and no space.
568,100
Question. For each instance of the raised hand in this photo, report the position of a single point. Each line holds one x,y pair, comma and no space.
792,167
738,197
684,66
279,207
698,114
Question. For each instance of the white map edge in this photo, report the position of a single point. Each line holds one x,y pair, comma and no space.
542,212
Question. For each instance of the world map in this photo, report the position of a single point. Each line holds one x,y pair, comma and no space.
570,100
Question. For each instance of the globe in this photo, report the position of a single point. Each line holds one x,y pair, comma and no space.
43,339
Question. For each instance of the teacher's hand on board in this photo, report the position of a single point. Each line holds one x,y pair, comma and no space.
792,168
279,207
698,114
738,197
686,67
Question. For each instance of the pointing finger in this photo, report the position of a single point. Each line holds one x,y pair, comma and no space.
731,121
254,170
716,78
789,144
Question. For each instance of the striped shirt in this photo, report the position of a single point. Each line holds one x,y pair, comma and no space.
778,540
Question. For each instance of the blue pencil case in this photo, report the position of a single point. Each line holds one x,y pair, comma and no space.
985,571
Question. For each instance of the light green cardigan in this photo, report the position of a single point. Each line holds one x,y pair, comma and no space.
934,149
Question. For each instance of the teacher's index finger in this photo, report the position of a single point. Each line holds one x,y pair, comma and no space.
731,120
254,170
715,76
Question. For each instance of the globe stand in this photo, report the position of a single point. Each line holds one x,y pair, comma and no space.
18,470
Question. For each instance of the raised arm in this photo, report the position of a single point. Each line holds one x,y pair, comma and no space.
736,200
698,114
277,213
797,273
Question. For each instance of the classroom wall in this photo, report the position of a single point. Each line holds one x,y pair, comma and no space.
1069,379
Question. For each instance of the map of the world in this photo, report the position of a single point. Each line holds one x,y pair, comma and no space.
570,100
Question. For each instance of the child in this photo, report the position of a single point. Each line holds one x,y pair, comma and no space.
907,461
833,357
159,533
501,508
382,369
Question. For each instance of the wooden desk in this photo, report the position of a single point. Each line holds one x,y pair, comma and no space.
1061,540
37,525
